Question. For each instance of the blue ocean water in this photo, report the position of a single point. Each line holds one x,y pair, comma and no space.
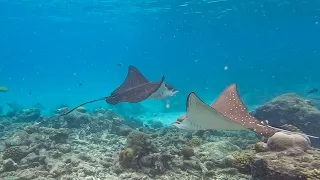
47,48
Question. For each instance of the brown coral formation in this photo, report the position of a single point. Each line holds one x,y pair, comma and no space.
15,153
281,141
289,158
284,166
187,152
242,161
126,157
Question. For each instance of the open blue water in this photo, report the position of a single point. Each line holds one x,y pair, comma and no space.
48,47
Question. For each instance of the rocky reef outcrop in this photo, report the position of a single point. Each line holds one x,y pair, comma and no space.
287,157
291,109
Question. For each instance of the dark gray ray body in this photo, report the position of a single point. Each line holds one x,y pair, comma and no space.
136,94
135,88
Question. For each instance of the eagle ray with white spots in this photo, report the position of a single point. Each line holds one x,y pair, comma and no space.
228,112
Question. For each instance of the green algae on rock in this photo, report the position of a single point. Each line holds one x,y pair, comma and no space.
242,161
311,174
260,147
126,156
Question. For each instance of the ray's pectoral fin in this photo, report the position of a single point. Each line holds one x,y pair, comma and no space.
133,79
203,116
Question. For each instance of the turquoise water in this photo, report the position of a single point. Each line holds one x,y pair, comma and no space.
47,48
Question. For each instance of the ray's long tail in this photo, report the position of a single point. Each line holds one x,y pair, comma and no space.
291,132
100,99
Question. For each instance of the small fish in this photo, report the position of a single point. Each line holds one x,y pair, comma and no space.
30,93
80,84
39,106
120,65
4,89
314,90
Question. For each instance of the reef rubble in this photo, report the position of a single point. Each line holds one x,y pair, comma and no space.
101,145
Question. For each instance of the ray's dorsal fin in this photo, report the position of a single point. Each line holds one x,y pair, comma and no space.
230,105
133,79
202,116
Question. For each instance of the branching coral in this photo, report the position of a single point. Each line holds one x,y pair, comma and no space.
242,161
194,142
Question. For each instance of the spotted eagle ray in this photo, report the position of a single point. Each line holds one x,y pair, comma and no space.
135,88
228,112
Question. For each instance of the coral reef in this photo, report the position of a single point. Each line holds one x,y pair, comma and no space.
281,141
187,152
285,156
241,161
293,110
260,147
285,166
155,124
194,142
104,145
126,157
311,174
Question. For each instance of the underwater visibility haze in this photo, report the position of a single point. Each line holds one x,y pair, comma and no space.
159,89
